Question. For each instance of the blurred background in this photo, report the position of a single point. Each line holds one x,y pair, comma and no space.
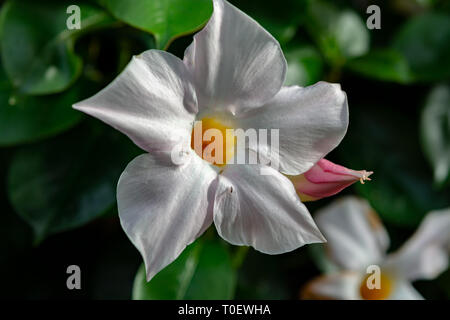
59,168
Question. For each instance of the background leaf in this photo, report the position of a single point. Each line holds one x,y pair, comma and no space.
165,19
202,271
37,47
384,65
425,42
435,130
66,182
340,34
25,119
283,25
305,66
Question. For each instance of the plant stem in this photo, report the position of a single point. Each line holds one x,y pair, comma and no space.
239,256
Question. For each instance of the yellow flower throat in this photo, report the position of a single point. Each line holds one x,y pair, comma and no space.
213,141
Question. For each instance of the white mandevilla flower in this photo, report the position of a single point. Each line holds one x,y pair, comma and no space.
231,77
357,240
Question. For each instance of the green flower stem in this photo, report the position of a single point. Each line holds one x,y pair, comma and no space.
239,256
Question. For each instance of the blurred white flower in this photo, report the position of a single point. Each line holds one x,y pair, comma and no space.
357,239
231,77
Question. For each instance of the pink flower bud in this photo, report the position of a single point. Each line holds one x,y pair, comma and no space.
325,179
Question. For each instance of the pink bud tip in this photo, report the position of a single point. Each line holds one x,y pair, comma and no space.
325,179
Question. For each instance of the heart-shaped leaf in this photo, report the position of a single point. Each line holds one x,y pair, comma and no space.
202,271
37,46
165,19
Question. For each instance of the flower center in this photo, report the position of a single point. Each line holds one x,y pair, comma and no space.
368,292
213,141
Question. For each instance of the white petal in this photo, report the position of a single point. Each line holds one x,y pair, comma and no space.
404,290
235,63
311,121
163,207
338,286
151,101
356,238
425,255
262,211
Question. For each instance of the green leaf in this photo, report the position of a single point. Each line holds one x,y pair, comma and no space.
305,66
165,19
424,41
282,25
202,271
340,34
25,119
37,47
435,129
68,181
384,65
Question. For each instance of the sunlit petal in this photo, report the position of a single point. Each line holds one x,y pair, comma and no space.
262,211
234,62
311,121
163,207
152,101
